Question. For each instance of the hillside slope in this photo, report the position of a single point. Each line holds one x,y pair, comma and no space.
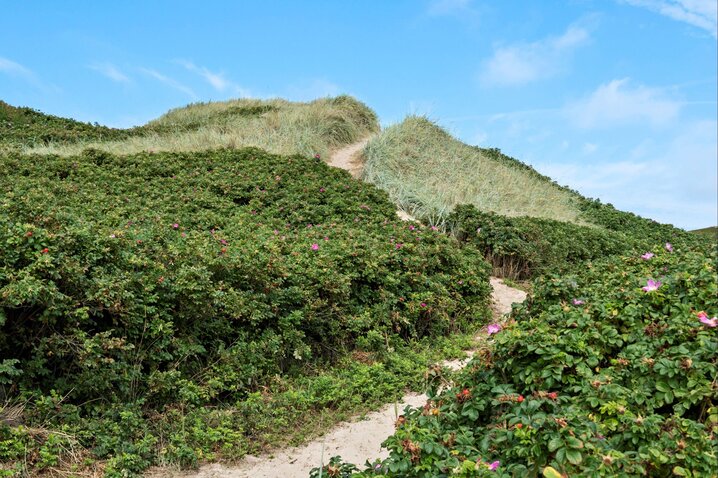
428,172
277,126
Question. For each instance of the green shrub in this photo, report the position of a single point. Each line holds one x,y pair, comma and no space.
598,375
132,285
527,247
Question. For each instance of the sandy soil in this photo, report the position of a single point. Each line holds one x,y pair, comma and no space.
347,157
355,441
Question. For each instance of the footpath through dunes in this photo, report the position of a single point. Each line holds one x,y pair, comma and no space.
355,442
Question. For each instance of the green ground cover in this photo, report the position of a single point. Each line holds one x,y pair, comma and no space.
150,298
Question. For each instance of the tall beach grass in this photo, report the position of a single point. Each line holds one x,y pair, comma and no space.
276,125
427,172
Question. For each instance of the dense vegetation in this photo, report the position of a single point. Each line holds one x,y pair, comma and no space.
608,372
427,172
24,126
277,126
162,303
526,247
137,289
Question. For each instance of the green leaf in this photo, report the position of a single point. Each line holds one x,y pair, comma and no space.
574,456
662,387
679,471
554,444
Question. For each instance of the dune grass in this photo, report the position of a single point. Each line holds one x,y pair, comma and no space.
427,173
709,232
277,126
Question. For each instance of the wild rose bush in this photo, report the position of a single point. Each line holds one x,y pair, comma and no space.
527,247
179,280
593,376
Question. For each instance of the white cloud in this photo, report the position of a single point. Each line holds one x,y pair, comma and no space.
699,13
217,80
110,71
15,69
675,181
618,103
523,63
169,82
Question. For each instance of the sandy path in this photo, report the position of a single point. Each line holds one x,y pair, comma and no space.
346,158
356,441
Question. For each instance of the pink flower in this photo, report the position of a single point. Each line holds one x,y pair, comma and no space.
398,245
493,466
317,156
315,247
647,256
113,236
651,285
703,317
321,190
326,238
423,304
175,226
434,228
669,247
578,302
411,228
493,328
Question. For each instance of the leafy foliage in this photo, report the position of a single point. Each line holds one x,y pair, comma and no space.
23,126
526,247
130,285
595,376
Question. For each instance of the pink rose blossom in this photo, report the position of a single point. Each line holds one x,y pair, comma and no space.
578,302
703,318
651,285
315,247
493,329
493,466
669,247
647,256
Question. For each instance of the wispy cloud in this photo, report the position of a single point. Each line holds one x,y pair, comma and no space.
523,63
169,82
672,180
15,69
618,103
110,71
218,81
699,13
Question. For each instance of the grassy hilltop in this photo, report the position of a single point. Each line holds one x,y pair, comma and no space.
277,126
201,287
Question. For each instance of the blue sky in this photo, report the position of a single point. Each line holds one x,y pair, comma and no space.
614,98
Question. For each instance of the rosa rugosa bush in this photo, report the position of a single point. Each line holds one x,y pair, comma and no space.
595,375
155,281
